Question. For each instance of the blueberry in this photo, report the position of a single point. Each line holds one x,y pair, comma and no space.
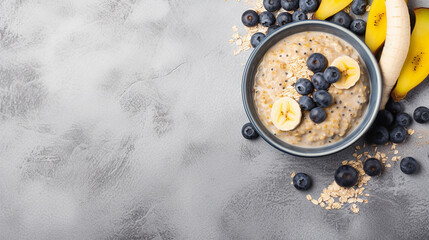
377,135
317,62
358,7
421,115
303,86
317,115
256,39
319,81
298,16
271,29
409,165
342,19
398,134
308,5
332,74
290,5
322,98
394,107
306,103
372,167
249,131
301,181
272,5
266,19
284,18
346,176
250,18
403,119
384,118
358,26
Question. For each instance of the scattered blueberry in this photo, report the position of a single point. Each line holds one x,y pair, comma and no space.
256,39
342,19
403,119
271,29
249,132
290,5
332,74
272,5
346,176
317,115
319,81
384,118
372,167
266,19
306,103
358,26
377,135
394,107
322,98
317,62
301,181
409,165
284,18
299,16
421,115
250,18
308,5
303,86
358,7
398,134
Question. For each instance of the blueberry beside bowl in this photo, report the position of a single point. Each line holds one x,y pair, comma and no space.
375,85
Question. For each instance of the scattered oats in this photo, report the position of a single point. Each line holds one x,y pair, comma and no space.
359,156
292,175
420,137
393,146
322,204
383,155
308,197
375,149
360,200
388,165
411,131
366,201
396,152
314,201
231,41
345,162
399,158
394,159
366,194
383,160
291,183
234,28
328,208
354,208
368,7
357,147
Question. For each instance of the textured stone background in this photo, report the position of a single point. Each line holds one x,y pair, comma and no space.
122,119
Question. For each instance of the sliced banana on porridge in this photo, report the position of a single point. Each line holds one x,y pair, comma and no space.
350,72
286,114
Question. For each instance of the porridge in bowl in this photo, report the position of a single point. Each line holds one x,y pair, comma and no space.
311,89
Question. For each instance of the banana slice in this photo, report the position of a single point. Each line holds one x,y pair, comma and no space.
350,72
286,114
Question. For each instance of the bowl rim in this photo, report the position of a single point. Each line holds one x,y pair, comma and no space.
378,88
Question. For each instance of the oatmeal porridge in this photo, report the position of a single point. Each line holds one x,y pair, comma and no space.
284,64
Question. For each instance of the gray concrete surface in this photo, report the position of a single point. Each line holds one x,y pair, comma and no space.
122,119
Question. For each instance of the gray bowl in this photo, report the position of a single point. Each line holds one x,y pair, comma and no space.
375,82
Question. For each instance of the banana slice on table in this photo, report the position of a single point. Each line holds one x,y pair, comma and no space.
286,114
350,72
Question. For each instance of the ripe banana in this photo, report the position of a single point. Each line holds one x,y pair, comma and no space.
350,72
416,66
286,114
